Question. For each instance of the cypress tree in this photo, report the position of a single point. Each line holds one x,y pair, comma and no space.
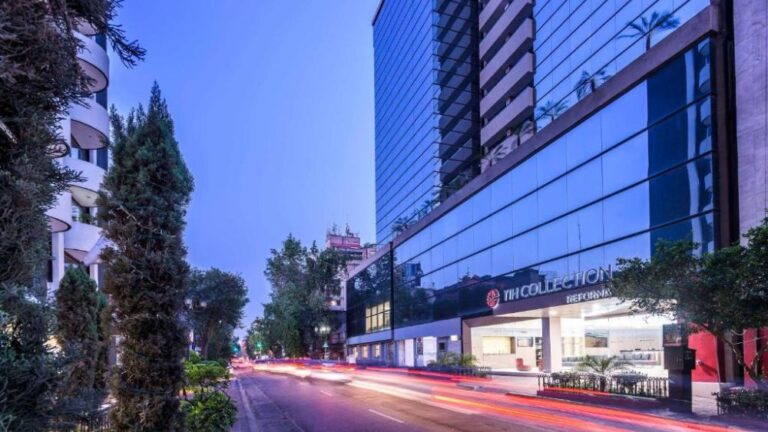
143,205
40,78
77,330
104,328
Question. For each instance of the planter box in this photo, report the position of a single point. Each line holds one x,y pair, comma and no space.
598,398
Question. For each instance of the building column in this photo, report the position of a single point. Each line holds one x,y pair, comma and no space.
57,255
410,352
552,344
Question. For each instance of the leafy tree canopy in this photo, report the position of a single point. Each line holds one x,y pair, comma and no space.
724,292
216,300
302,280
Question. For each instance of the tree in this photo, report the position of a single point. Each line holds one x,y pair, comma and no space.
648,27
40,78
588,83
77,330
255,342
104,329
302,280
143,205
552,110
602,365
723,293
224,296
400,225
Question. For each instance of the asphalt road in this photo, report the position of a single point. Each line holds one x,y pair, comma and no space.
283,403
283,398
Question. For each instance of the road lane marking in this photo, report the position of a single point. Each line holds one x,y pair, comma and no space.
451,408
249,415
410,395
386,416
326,393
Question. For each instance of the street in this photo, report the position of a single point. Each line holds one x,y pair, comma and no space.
382,401
284,403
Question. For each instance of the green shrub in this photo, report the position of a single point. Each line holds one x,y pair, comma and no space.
749,402
205,374
449,358
210,412
194,357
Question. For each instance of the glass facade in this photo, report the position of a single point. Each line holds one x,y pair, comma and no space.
636,171
582,43
427,135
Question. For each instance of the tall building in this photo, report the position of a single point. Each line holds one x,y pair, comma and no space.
75,238
427,107
506,77
645,121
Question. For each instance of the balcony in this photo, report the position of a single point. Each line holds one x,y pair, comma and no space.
705,113
85,28
510,20
79,240
704,79
490,13
60,215
61,148
90,125
94,61
514,113
85,192
515,80
509,53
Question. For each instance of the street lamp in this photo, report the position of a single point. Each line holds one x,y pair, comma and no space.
190,306
323,331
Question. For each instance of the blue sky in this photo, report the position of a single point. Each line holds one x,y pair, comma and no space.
273,108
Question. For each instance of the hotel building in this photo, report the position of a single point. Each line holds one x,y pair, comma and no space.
76,240
604,127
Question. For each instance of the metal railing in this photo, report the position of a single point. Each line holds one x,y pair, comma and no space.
620,384
474,371
97,421
743,402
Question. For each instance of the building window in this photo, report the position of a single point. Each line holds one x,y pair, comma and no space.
377,351
377,317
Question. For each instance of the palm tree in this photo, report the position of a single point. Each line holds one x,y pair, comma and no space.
603,365
589,83
522,130
399,225
649,26
552,109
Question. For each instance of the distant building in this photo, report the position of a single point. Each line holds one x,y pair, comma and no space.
347,243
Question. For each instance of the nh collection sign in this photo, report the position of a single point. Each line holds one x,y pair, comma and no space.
548,286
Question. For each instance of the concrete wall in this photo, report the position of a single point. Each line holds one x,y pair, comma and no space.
751,63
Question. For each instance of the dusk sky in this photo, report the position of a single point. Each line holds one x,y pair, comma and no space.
273,109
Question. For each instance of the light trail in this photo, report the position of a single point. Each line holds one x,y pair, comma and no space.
444,391
531,416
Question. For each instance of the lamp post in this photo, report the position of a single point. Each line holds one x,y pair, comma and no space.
190,306
323,331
